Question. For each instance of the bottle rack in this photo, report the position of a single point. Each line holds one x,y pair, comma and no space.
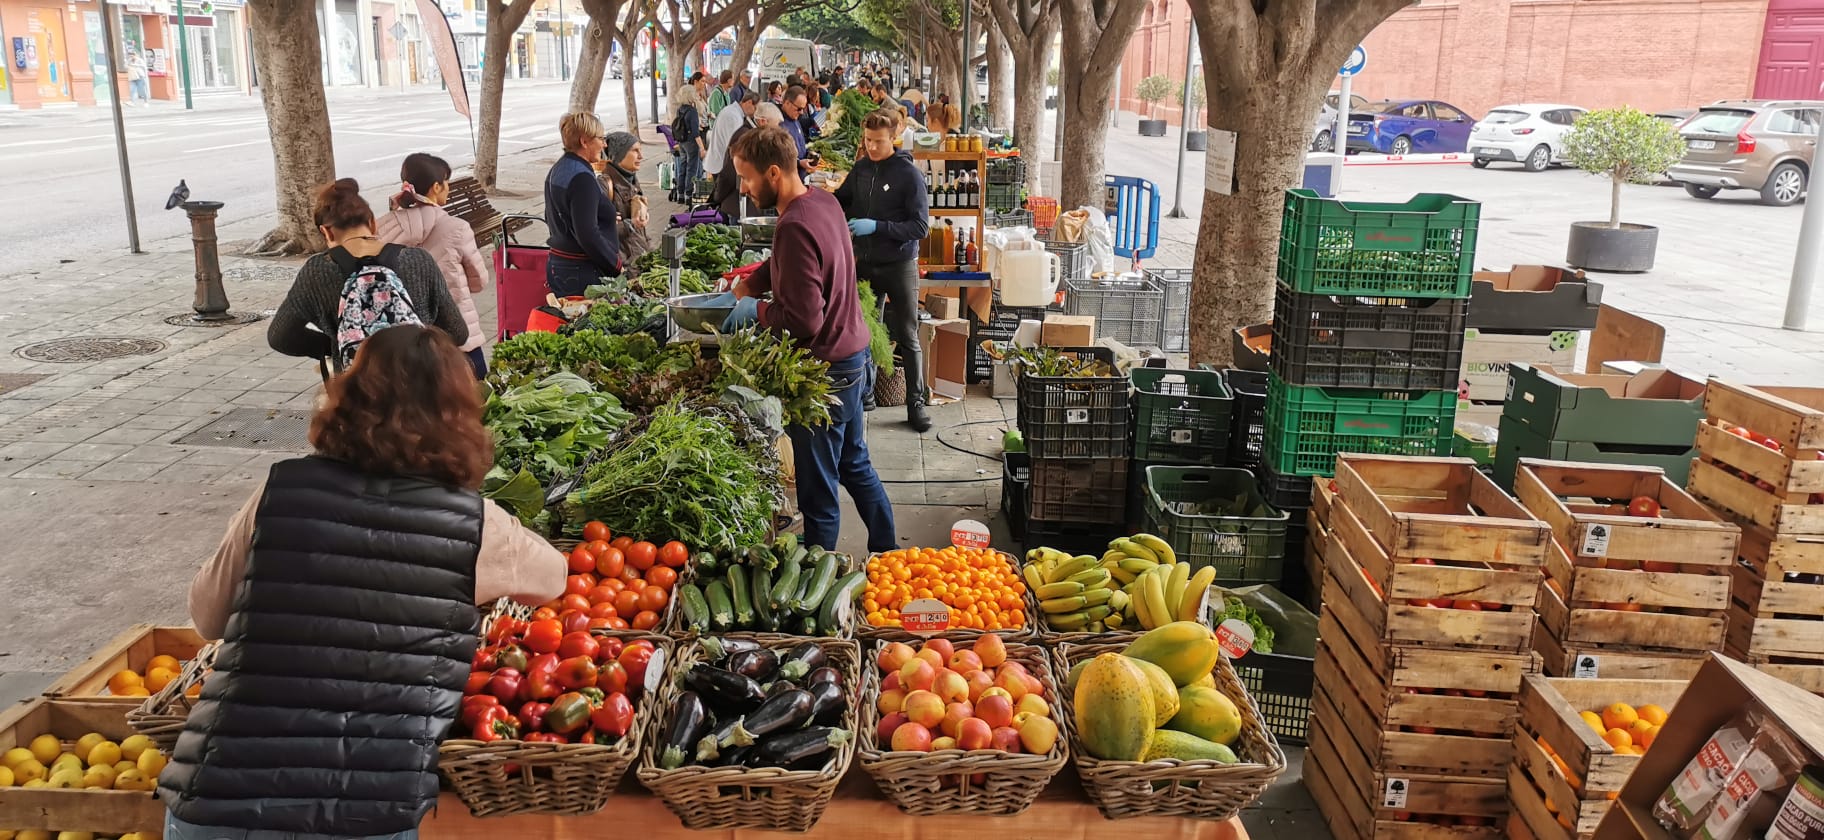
965,221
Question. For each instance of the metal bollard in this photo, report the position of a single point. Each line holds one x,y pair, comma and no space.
211,299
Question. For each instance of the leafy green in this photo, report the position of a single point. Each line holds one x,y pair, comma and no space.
711,249
1233,607
542,432
656,282
635,314
769,363
880,347
634,368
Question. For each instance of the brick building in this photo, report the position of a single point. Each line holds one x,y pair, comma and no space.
1476,54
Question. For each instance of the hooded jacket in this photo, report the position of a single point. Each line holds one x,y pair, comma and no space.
891,192
451,242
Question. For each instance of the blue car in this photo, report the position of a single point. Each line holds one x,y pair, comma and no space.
1406,126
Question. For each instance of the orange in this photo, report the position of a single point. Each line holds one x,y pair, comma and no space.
1619,716
1618,738
158,678
1594,720
165,661
1631,749
1646,739
1638,731
123,680
1652,714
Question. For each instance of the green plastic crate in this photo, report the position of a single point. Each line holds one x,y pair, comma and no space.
1243,549
1518,441
1424,248
1180,416
1308,426
1655,407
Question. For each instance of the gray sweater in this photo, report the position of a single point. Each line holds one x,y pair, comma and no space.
317,294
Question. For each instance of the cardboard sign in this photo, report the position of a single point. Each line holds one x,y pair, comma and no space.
1235,637
968,533
926,616
1393,795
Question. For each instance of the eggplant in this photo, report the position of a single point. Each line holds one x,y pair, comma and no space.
825,674
726,692
739,756
759,664
712,745
802,659
719,648
789,710
828,701
798,747
778,687
689,720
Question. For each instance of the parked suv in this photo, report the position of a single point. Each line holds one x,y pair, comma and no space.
1750,144
1530,135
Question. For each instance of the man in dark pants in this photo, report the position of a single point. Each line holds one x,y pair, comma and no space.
884,197
811,275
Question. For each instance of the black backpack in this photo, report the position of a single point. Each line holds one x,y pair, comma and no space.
678,126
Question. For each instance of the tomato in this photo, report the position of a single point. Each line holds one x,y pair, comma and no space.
1472,606
653,598
662,577
634,658
573,621
629,574
626,603
596,547
574,602
638,584
645,620
1645,506
544,612
615,584
604,608
544,635
1657,566
641,555
579,584
674,554
578,644
593,531
613,677
610,561
621,542
600,594
581,560
600,624
617,623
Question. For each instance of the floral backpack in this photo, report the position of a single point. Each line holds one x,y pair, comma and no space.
373,298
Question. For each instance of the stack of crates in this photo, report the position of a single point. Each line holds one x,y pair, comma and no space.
1533,314
1006,184
1413,712
1002,321
1129,308
1648,419
1078,433
1367,339
1181,418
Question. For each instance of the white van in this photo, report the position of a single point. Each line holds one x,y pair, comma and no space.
776,58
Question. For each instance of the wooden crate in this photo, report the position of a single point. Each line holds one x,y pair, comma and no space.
1442,509
1351,798
132,649
103,811
1558,659
1771,488
1580,789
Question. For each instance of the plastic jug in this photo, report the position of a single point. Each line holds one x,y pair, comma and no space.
1028,278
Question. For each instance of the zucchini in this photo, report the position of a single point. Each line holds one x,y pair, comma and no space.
696,608
808,625
721,607
843,593
786,543
741,594
782,592
704,561
759,558
822,578
764,619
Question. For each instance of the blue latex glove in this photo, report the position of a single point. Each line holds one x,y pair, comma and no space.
747,311
863,227
724,299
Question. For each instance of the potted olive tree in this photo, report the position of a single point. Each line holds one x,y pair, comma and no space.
1153,90
1051,85
1627,146
1196,139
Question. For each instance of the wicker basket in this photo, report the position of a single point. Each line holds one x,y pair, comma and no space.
161,717
532,777
869,632
890,390
727,798
940,782
1204,790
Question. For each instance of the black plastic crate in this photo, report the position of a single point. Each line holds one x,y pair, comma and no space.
1007,170
1015,475
1011,218
1092,490
1281,687
1247,416
1075,416
1003,198
1071,537
1180,416
1175,336
1290,493
1129,308
1342,341
1295,578
1002,321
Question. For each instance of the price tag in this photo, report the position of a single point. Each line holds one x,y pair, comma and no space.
925,615
1076,416
1595,541
655,669
968,533
1235,637
1393,795
1586,667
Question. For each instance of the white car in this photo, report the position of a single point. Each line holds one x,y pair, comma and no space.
1530,135
1326,121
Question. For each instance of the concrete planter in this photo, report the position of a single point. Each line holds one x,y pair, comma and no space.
1152,128
1196,141
1594,246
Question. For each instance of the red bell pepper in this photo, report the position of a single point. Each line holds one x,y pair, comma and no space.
532,715
548,737
568,713
634,658
484,660
478,682
495,724
612,677
541,678
473,706
572,621
578,644
577,672
610,648
504,628
506,684
615,717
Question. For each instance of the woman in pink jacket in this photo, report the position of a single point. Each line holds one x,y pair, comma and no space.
418,220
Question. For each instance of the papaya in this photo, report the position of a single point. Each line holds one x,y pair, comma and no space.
1185,649
1076,673
1170,743
1207,681
1206,713
1165,695
1114,709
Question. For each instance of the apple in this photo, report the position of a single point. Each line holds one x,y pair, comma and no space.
1033,704
943,743
1005,739
917,674
974,734
995,709
1034,688
954,715
891,682
990,649
951,686
1011,681
1038,735
894,656
931,656
924,708
883,733
965,662
979,682
891,701
911,737
942,646
995,691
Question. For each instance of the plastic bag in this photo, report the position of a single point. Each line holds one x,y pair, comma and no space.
1101,242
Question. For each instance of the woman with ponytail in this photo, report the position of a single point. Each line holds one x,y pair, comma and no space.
418,220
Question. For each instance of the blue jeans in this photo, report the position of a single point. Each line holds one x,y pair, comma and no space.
176,829
568,278
690,168
837,454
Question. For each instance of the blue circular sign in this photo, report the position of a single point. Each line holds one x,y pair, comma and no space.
1358,59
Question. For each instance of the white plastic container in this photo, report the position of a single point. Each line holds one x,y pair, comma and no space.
1028,278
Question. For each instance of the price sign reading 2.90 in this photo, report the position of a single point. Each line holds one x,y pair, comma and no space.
925,615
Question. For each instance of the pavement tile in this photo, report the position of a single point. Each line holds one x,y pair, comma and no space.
96,451
123,471
57,468
123,434
152,453
219,456
190,473
156,422
906,494
63,434
32,450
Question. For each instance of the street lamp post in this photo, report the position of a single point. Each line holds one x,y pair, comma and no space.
120,130
563,45
1184,126
183,55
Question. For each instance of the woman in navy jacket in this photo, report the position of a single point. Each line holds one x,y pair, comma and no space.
579,213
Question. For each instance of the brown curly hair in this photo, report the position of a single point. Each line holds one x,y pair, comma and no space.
408,405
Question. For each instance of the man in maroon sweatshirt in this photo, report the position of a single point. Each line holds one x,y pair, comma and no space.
811,276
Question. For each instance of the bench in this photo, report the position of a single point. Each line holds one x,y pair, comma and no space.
469,202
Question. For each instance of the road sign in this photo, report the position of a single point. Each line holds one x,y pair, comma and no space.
397,30
1358,60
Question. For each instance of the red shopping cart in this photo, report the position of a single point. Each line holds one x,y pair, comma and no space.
519,278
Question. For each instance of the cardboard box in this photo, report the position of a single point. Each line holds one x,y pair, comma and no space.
1251,346
943,307
946,346
1003,381
1487,355
1068,330
1722,688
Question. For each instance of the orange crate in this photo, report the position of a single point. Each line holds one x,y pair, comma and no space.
1044,213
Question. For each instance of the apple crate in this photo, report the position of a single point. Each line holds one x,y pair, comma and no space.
1742,472
45,809
132,649
1777,619
1358,802
1622,582
1564,774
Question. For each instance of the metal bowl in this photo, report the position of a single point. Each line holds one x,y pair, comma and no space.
691,313
758,229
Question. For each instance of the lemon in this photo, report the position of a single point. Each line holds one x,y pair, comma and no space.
45,748
66,779
133,745
29,770
151,763
86,743
32,835
6,779
131,779
123,766
35,783
75,835
11,758
99,776
106,752
67,761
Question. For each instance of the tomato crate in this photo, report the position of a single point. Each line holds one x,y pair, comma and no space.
1181,416
1560,760
1763,447
1631,584
1076,416
1307,427
1359,803
1778,594
1344,341
75,809
1425,247
131,650
1244,548
1487,356
1247,416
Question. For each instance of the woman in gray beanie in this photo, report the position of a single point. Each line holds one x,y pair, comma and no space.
621,179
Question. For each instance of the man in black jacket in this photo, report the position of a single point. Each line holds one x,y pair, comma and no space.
884,197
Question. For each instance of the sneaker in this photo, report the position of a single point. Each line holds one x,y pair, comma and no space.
917,417
867,402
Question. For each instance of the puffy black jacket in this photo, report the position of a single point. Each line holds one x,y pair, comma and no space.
891,192
343,662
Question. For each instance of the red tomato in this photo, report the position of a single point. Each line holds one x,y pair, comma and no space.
575,602
581,560
610,561
641,555
593,531
674,554
629,574
645,620
626,603
613,678
578,584
617,623
600,594
615,584
544,612
634,658
601,624
1645,506
573,621
1472,606
578,644
621,542
544,635
662,577
653,598
638,584
604,608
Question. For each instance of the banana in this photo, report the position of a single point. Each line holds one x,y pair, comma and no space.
1092,579
1137,565
1114,620
1174,587
1194,592
1095,597
1035,579
1155,602
1137,601
1158,546
1068,621
1119,600
1100,613
1113,556
1069,567
1134,549
1122,576
1053,606
1061,589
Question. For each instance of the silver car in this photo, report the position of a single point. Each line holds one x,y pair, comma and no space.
1321,141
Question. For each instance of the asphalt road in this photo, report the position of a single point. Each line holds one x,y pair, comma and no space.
63,195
